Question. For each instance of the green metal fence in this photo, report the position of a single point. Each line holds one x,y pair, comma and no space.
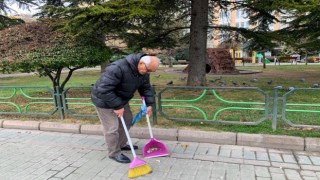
227,105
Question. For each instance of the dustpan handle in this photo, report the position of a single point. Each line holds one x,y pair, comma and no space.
147,117
128,137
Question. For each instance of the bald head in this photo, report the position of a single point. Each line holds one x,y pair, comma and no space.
151,63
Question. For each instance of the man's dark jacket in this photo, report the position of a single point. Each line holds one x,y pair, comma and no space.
120,80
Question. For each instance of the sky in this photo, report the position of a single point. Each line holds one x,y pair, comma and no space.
33,10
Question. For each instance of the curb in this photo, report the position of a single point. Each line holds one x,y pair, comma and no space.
227,138
28,125
60,127
91,129
271,141
159,133
207,137
312,144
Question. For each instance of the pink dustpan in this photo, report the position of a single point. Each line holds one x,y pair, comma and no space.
153,148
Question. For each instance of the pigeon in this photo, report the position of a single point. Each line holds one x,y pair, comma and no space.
302,79
157,76
291,88
222,82
270,82
234,83
170,83
315,85
254,80
183,78
245,84
217,79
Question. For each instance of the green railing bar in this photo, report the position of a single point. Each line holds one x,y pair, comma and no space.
13,104
291,104
234,102
190,100
31,103
300,110
13,94
78,99
91,104
235,108
192,107
27,96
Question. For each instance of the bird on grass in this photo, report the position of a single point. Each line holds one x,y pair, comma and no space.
169,82
157,76
245,84
222,83
234,83
269,82
302,79
254,80
291,88
183,78
217,79
315,85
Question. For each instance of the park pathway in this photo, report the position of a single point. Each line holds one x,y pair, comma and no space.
39,155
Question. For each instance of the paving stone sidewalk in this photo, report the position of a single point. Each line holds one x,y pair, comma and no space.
37,155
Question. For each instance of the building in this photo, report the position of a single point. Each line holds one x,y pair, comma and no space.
233,18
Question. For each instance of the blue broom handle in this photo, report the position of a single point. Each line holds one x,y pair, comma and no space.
128,137
147,117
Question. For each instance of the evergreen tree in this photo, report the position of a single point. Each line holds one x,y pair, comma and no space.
5,20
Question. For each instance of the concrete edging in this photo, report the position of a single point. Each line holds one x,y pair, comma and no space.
207,137
60,127
312,144
91,129
16,124
228,138
158,133
271,141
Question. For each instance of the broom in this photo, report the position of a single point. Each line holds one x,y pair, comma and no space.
137,167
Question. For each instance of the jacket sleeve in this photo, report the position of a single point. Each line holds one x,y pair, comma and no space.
108,82
146,91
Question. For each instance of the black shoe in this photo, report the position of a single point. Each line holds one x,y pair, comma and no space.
127,148
121,158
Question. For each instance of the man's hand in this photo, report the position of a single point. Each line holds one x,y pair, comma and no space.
149,110
119,112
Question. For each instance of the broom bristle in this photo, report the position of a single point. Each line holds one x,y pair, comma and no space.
139,171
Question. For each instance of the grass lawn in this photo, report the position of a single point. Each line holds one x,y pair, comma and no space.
298,76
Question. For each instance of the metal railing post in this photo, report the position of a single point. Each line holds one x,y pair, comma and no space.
154,106
58,98
275,107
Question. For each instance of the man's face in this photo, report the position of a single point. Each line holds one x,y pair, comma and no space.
143,68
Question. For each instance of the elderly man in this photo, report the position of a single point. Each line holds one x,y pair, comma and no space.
112,92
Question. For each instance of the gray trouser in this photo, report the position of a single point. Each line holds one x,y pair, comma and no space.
113,131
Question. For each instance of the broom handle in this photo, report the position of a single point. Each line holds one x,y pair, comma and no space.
128,137
147,117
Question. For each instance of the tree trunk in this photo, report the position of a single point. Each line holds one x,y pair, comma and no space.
306,63
198,43
103,66
264,60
